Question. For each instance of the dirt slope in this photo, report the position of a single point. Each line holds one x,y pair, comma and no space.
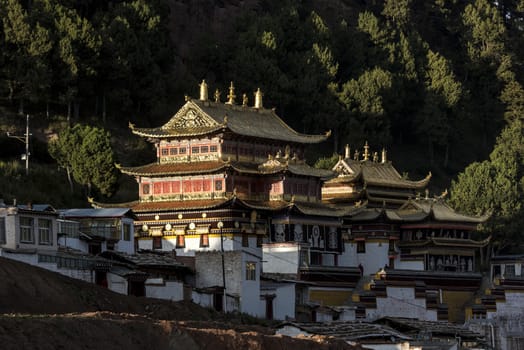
40,309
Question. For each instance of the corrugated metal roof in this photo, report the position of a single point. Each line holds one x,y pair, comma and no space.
95,213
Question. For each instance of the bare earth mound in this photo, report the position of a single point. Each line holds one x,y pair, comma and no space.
40,309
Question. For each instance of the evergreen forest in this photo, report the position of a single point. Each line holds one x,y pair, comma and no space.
438,83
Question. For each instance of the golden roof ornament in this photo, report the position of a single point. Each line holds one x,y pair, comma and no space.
217,95
258,99
245,100
347,152
375,157
203,91
356,155
384,155
231,97
366,151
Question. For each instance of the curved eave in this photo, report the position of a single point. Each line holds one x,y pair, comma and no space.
266,205
102,205
160,206
169,133
155,169
400,183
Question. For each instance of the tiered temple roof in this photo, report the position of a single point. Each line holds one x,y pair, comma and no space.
371,180
203,117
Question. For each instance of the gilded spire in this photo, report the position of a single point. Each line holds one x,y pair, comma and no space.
231,97
347,152
366,151
244,100
203,91
384,155
258,99
217,96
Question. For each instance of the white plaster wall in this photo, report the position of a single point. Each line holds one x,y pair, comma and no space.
73,243
10,229
31,259
284,302
375,257
125,247
409,265
161,289
324,317
116,283
348,256
328,260
208,267
146,244
347,315
250,302
202,299
401,302
280,258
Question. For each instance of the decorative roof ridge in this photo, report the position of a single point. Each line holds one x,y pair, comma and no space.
133,171
101,205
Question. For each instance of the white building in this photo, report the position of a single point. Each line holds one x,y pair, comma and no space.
97,230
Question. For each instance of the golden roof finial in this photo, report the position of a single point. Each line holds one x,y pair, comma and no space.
356,155
375,157
366,151
347,152
384,155
217,95
231,97
244,100
203,91
258,99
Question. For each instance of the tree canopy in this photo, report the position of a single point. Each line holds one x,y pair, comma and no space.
86,153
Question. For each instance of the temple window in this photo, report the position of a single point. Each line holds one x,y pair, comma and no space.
157,188
204,240
251,271
195,150
204,149
206,185
175,186
213,149
182,150
197,186
157,242
245,240
166,187
180,241
218,185
361,247
165,151
145,189
44,231
173,151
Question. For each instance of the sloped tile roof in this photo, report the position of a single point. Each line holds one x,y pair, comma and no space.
179,205
377,173
203,117
207,167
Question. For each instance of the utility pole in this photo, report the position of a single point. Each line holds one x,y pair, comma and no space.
220,225
25,140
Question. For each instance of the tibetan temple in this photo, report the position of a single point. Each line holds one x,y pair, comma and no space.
232,177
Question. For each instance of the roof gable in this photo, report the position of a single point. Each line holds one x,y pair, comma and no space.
190,116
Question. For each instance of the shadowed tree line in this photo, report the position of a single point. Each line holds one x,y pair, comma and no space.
440,77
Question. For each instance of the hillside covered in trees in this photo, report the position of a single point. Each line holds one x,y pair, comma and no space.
435,82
